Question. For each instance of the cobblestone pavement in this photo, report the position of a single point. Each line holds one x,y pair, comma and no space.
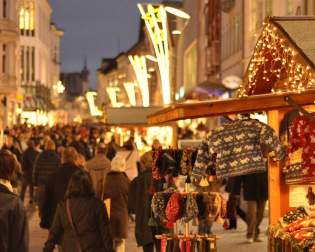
228,240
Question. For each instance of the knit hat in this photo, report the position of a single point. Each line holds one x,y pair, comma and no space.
191,208
158,207
118,163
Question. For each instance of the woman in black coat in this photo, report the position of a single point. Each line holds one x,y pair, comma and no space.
81,222
14,227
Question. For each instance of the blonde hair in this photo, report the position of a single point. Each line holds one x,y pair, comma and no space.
50,145
70,155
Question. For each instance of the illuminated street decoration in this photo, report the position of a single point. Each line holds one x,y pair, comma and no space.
156,23
275,61
59,88
112,94
90,97
139,66
130,89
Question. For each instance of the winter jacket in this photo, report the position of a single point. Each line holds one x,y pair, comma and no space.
98,168
29,157
46,163
14,234
55,192
116,188
140,205
92,227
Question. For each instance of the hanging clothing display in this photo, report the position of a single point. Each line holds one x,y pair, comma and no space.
301,148
238,146
169,207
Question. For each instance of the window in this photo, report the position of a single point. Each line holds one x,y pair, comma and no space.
4,58
33,63
27,19
290,9
257,16
22,64
4,9
269,8
27,63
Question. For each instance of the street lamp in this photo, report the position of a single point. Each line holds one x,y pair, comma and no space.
177,12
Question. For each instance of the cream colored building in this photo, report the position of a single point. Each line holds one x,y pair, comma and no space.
39,60
10,92
242,22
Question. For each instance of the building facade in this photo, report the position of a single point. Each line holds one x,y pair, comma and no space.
10,93
76,83
39,60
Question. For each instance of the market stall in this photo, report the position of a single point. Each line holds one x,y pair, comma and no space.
132,121
280,77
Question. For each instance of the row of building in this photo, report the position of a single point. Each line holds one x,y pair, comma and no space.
29,62
194,49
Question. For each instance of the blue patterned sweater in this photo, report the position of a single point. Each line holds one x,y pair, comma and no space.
239,147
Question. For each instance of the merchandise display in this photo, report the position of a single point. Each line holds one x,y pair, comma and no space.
301,147
294,232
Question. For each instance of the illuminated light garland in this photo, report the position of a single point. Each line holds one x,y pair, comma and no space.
156,23
140,67
274,61
130,89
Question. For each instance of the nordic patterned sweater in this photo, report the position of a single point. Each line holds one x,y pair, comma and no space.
238,146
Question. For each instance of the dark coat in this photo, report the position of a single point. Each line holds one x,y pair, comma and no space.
29,157
116,188
46,163
55,192
91,221
14,227
140,204
255,186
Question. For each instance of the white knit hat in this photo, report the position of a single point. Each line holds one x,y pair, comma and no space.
119,162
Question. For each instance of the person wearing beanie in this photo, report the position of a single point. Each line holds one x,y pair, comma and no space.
116,189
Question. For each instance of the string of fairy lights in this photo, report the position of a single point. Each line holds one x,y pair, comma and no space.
276,64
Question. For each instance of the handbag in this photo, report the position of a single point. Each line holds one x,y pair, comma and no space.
72,226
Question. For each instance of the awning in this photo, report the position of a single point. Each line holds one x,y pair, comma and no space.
129,117
252,103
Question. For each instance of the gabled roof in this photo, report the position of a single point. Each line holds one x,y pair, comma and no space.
284,57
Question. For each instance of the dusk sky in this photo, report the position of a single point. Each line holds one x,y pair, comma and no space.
95,29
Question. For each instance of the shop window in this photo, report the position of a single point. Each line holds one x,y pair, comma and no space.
27,19
190,67
4,58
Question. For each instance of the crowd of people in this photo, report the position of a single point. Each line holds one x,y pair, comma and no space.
69,172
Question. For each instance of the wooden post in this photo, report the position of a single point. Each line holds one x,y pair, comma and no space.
278,191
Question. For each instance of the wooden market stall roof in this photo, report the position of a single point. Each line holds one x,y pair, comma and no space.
230,106
284,57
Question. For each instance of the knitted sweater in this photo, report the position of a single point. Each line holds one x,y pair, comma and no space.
239,147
